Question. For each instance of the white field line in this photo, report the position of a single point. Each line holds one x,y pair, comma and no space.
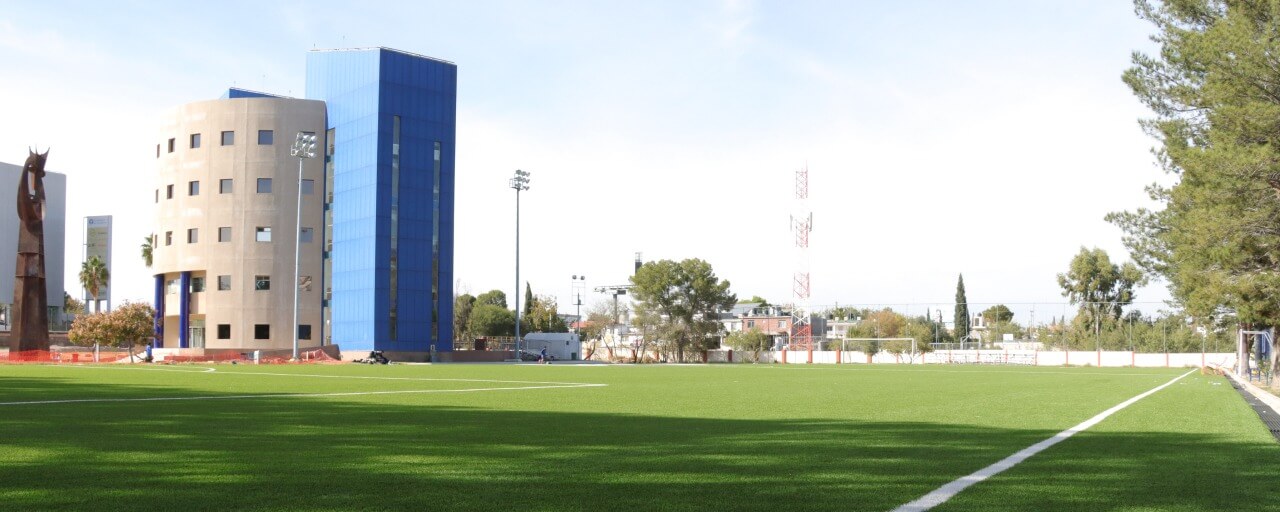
946,492
291,395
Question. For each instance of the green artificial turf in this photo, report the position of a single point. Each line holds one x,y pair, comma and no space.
726,437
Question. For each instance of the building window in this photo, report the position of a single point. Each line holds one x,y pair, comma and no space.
393,311
168,238
782,324
195,141
193,188
304,332
224,186
264,185
171,287
751,324
197,284
261,283
435,244
304,283
265,137
224,283
224,234
193,235
228,138
157,195
263,234
168,191
224,331
157,151
261,331
305,235
171,144
308,187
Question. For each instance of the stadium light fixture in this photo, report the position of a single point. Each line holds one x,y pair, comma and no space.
519,182
304,147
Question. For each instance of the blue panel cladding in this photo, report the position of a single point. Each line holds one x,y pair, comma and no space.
364,91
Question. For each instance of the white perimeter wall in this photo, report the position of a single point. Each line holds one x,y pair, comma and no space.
1020,357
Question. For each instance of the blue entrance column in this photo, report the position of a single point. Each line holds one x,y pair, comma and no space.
184,310
159,306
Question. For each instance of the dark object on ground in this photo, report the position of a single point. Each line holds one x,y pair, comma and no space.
30,325
375,357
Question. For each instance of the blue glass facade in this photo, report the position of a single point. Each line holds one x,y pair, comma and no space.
376,97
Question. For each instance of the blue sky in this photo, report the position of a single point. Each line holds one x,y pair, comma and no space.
987,138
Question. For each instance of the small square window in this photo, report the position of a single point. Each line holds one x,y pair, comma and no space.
197,284
224,283
193,235
265,137
304,283
261,331
262,283
308,187
305,235
304,332
228,138
171,287
224,186
263,234
224,234
193,188
195,141
171,144
224,331
168,191
264,185
168,238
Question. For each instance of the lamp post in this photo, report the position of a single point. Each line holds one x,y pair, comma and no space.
304,147
578,285
519,182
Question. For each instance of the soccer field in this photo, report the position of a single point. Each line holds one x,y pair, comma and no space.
596,437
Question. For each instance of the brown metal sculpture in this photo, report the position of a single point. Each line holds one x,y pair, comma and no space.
30,327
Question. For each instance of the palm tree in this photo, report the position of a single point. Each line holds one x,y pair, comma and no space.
146,250
93,276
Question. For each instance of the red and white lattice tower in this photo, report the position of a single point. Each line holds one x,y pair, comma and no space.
801,225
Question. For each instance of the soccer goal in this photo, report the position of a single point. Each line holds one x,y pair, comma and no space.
898,347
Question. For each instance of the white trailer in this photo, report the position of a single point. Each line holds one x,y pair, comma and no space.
561,346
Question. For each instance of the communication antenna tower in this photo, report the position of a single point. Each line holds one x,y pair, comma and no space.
801,226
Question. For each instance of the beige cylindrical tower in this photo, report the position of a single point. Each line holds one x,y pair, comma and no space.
225,197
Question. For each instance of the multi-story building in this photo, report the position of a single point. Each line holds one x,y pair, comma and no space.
383,188
55,220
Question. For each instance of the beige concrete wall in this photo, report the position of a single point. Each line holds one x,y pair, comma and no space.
243,210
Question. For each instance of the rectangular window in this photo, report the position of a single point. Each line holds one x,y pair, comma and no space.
168,191
224,186
261,331
305,235
157,195
264,185
224,283
224,331
193,188
304,332
157,151
265,137
751,323
193,235
197,284
168,238
304,283
308,187
261,283
263,234
435,244
195,141
228,138
224,234
171,144
171,287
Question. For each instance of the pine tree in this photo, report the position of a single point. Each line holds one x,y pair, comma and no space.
962,311
528,299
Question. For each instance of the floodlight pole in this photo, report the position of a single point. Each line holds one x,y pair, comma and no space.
303,148
519,182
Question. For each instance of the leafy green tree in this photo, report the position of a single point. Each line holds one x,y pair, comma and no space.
147,248
528,300
462,306
1100,287
94,276
543,316
752,341
1212,87
72,305
961,317
756,299
599,318
491,320
493,298
998,313
686,297
130,325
